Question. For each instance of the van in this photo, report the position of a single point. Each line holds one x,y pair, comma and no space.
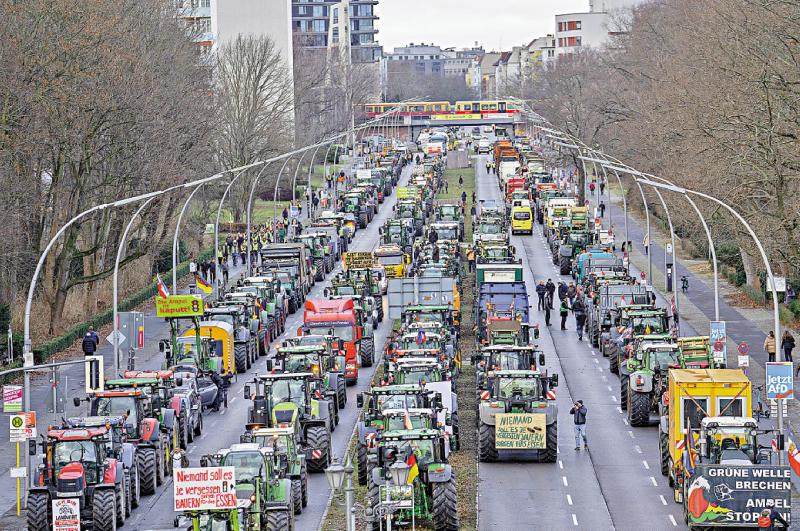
484,146
521,220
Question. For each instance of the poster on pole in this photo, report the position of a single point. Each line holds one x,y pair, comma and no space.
207,488
719,342
67,514
12,398
520,431
780,380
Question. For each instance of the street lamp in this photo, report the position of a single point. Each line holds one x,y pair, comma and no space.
216,230
338,476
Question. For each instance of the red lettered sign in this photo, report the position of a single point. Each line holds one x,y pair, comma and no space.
204,488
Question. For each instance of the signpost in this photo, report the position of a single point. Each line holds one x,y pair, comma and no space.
780,380
199,489
12,398
67,514
743,357
520,431
719,341
180,306
22,426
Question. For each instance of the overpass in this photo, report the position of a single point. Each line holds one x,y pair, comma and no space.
409,127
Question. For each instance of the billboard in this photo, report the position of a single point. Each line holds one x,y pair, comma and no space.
179,306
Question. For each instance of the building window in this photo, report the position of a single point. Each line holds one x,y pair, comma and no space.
365,38
318,11
335,35
335,15
205,3
318,25
302,10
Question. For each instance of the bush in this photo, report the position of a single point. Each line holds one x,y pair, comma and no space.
794,307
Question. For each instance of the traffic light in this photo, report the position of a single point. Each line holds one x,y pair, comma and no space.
93,370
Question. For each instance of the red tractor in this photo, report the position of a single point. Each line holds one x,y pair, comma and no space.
80,463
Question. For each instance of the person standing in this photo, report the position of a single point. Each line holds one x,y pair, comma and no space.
787,345
471,258
541,291
90,342
602,209
551,289
564,312
562,290
578,413
769,345
460,181
572,291
579,310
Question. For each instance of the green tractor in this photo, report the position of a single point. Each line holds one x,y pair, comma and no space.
429,491
286,400
409,209
520,416
399,232
363,282
573,243
492,358
209,519
317,360
316,243
356,203
291,461
632,321
257,480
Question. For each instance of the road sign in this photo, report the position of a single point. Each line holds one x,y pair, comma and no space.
780,380
719,340
22,426
204,488
780,284
12,398
669,248
294,211
180,306
116,337
67,514
743,349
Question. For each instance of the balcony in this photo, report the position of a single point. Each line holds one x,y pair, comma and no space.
194,12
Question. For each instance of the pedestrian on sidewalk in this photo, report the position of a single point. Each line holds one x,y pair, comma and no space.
564,311
551,289
769,345
591,187
790,294
787,344
90,342
602,186
572,291
460,180
446,186
578,413
541,291
602,209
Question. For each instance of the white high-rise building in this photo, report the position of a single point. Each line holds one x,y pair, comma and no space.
575,31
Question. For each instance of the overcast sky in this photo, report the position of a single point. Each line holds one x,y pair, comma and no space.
495,24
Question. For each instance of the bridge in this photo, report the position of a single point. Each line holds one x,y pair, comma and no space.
409,127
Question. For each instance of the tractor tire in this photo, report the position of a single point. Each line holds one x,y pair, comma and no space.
128,494
104,510
367,351
297,495
663,447
161,462
136,486
198,430
373,500
120,495
564,265
147,464
487,451
341,392
443,502
240,357
38,514
333,414
639,410
550,452
362,221
456,432
319,264
279,520
613,359
623,391
594,337
304,484
362,464
184,430
292,306
317,437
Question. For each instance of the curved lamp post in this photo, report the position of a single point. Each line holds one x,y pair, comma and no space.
216,229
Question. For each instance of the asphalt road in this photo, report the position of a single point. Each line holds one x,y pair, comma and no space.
616,484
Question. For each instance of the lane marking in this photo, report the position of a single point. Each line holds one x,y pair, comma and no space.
619,409
605,378
672,519
569,499
653,481
232,400
561,464
614,398
630,433
625,421
595,360
663,500
646,465
638,448
564,481
574,519
609,388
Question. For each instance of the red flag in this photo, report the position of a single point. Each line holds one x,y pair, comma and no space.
163,292
794,456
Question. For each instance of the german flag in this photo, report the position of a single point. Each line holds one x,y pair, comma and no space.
204,286
413,469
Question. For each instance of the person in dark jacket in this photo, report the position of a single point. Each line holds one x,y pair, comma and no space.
541,291
90,342
562,291
787,344
579,310
548,305
551,289
578,413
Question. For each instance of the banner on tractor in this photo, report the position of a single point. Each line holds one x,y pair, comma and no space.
357,260
735,495
200,489
520,431
364,174
67,514
407,192
180,306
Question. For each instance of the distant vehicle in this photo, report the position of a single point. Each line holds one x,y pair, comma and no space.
484,146
476,130
487,128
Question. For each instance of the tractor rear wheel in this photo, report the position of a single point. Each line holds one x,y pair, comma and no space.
318,438
550,452
136,485
297,495
663,447
319,264
639,410
564,265
278,520
623,391
198,430
104,510
362,464
456,432
292,306
341,392
613,360
304,485
161,461
445,512
367,351
240,357
38,513
487,451
373,500
120,495
146,462
185,430
128,494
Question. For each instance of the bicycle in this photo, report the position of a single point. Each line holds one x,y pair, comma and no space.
761,410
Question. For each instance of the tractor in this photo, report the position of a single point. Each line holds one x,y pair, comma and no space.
632,321
285,400
315,359
503,358
520,415
245,350
429,489
78,464
258,480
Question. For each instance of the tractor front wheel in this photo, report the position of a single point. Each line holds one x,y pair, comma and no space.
362,464
613,360
120,495
318,438
550,453
663,446
278,520
38,513
367,351
136,485
639,410
104,510
487,451
147,464
623,391
445,512
341,392
240,357
297,495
